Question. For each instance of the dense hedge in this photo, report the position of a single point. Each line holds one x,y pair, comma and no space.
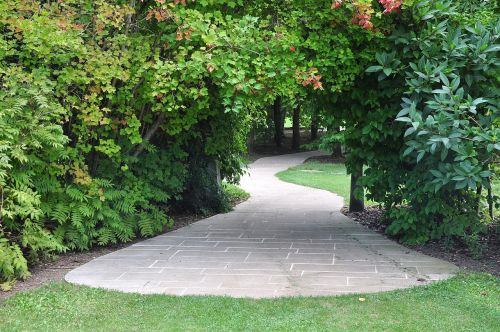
101,104
430,137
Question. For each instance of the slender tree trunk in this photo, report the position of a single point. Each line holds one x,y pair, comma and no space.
314,126
277,121
149,134
93,158
337,149
479,191
356,204
490,200
283,118
95,163
296,126
251,140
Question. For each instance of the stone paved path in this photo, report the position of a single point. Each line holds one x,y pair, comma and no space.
285,240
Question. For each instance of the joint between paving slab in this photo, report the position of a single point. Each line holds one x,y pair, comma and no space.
246,258
121,276
288,227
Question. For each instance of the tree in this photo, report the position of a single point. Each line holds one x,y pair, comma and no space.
356,199
278,118
130,86
296,125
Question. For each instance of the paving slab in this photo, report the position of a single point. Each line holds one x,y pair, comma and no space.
286,240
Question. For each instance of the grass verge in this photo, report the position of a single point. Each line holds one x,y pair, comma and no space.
330,177
468,302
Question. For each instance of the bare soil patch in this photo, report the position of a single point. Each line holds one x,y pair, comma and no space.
325,160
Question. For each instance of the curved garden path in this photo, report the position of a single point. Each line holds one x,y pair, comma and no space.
285,240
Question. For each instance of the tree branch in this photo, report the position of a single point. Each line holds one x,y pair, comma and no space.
149,134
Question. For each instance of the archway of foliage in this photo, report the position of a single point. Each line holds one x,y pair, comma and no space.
111,112
109,109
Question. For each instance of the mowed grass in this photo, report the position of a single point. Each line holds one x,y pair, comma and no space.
331,177
334,178
468,302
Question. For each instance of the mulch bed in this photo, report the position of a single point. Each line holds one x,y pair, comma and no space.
325,160
372,217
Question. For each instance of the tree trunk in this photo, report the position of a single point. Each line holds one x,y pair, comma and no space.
314,126
149,134
214,167
277,121
251,140
356,204
337,148
490,201
95,163
479,191
283,118
296,127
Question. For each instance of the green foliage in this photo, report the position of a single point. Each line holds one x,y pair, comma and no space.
113,112
100,103
440,156
327,142
13,265
234,193
476,247
31,142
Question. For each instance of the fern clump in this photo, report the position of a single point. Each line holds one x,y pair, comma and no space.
100,104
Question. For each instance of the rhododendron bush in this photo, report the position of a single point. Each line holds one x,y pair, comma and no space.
424,119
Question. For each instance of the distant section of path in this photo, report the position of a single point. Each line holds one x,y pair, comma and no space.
285,240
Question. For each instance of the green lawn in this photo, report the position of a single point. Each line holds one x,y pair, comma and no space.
331,177
334,178
468,302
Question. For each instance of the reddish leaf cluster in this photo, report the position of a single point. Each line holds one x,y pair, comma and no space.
363,20
390,5
336,4
184,34
310,78
162,11
364,11
159,14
